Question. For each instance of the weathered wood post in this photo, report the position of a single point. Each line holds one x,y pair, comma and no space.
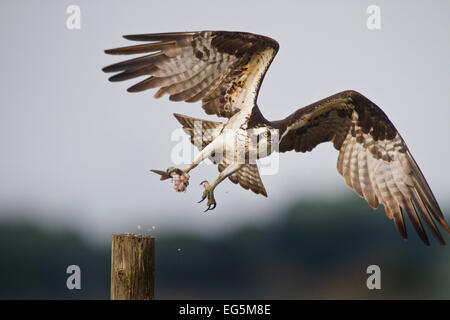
132,267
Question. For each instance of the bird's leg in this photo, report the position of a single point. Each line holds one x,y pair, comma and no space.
209,189
180,177
213,148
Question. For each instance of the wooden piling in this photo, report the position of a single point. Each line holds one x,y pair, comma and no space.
132,267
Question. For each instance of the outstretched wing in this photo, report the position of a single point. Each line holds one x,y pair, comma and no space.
222,69
373,158
248,177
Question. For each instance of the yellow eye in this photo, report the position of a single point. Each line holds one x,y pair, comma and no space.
266,134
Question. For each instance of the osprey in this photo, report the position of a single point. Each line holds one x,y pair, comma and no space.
224,71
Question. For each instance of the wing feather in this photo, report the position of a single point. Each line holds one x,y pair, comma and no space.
417,224
144,61
373,199
223,69
354,169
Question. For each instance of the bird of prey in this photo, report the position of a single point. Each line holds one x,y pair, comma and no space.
224,71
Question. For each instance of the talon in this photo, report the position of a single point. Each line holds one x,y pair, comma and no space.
208,193
203,198
205,194
210,207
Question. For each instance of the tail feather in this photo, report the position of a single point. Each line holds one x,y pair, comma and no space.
192,126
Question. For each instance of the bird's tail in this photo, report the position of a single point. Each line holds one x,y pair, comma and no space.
202,132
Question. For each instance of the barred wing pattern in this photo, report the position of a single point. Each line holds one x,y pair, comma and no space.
373,158
222,69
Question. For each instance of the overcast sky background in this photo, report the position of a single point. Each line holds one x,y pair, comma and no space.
77,149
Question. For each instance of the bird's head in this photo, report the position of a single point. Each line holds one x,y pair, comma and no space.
267,140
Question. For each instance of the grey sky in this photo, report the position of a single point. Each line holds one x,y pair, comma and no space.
71,140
